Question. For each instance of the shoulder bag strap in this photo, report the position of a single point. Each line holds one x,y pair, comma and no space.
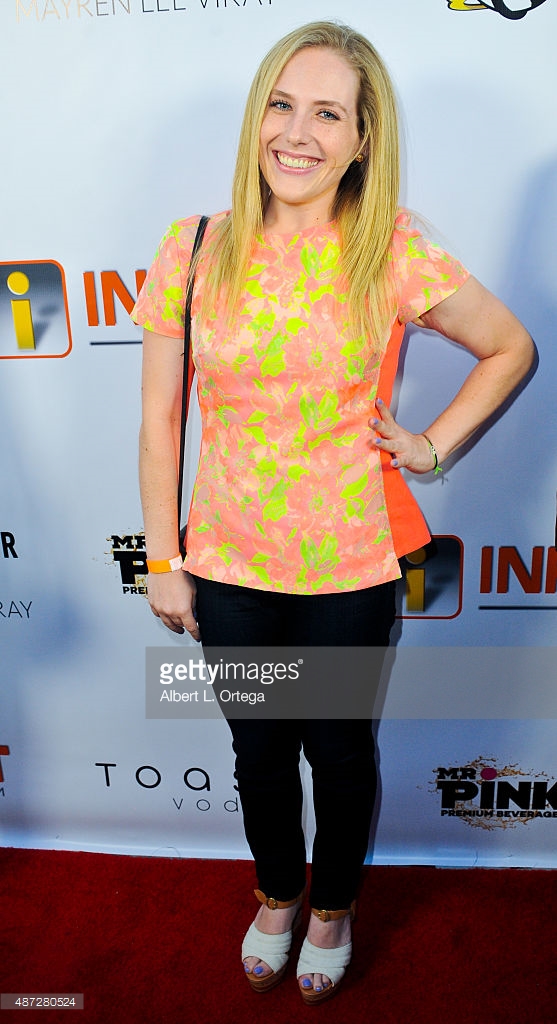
188,359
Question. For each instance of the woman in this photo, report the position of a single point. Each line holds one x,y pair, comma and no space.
299,512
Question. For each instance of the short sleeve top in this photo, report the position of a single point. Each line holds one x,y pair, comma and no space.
289,494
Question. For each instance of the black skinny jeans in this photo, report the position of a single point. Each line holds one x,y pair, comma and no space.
340,751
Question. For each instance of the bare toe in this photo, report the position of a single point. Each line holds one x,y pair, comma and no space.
317,982
257,967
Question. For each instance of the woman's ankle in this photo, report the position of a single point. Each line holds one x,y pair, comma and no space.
329,934
275,922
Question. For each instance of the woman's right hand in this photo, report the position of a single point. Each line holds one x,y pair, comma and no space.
172,599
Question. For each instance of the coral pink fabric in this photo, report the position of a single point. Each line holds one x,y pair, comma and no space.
289,494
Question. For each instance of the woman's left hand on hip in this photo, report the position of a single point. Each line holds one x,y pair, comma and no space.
409,451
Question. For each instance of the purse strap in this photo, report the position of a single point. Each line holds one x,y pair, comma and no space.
189,368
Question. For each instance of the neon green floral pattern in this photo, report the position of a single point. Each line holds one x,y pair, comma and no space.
289,494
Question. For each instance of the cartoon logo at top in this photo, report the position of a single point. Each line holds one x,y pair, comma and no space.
513,9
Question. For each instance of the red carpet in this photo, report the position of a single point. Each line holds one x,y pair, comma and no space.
156,941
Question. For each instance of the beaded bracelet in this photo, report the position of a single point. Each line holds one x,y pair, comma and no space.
436,467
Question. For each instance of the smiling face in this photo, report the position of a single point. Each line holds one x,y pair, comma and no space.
309,136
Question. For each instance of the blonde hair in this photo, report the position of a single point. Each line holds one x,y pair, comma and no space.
367,197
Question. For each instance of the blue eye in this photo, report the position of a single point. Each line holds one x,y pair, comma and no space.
279,104
328,115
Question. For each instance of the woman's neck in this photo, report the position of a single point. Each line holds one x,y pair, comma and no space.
284,218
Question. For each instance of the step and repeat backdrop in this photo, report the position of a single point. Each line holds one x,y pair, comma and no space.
118,117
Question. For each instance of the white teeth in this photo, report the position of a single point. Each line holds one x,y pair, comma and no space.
299,163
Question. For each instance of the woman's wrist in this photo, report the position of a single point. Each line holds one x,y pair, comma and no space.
160,565
436,467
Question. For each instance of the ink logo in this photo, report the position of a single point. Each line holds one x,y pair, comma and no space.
111,288
507,571
484,795
128,552
34,315
513,10
431,584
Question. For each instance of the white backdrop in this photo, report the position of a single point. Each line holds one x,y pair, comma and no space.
120,116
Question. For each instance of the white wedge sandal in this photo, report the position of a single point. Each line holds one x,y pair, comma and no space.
273,949
330,962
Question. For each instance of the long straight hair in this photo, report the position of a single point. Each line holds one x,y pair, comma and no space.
366,202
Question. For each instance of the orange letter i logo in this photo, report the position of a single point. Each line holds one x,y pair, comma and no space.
18,283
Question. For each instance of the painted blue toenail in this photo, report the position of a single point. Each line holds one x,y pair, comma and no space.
306,983
246,968
258,970
318,988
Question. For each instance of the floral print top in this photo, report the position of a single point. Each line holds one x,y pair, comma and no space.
289,494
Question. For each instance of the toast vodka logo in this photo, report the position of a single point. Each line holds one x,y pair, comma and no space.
34,315
148,776
431,584
129,554
512,9
484,795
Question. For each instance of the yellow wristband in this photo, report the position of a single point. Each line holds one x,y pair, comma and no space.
164,564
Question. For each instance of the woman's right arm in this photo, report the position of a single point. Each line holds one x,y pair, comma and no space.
171,594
